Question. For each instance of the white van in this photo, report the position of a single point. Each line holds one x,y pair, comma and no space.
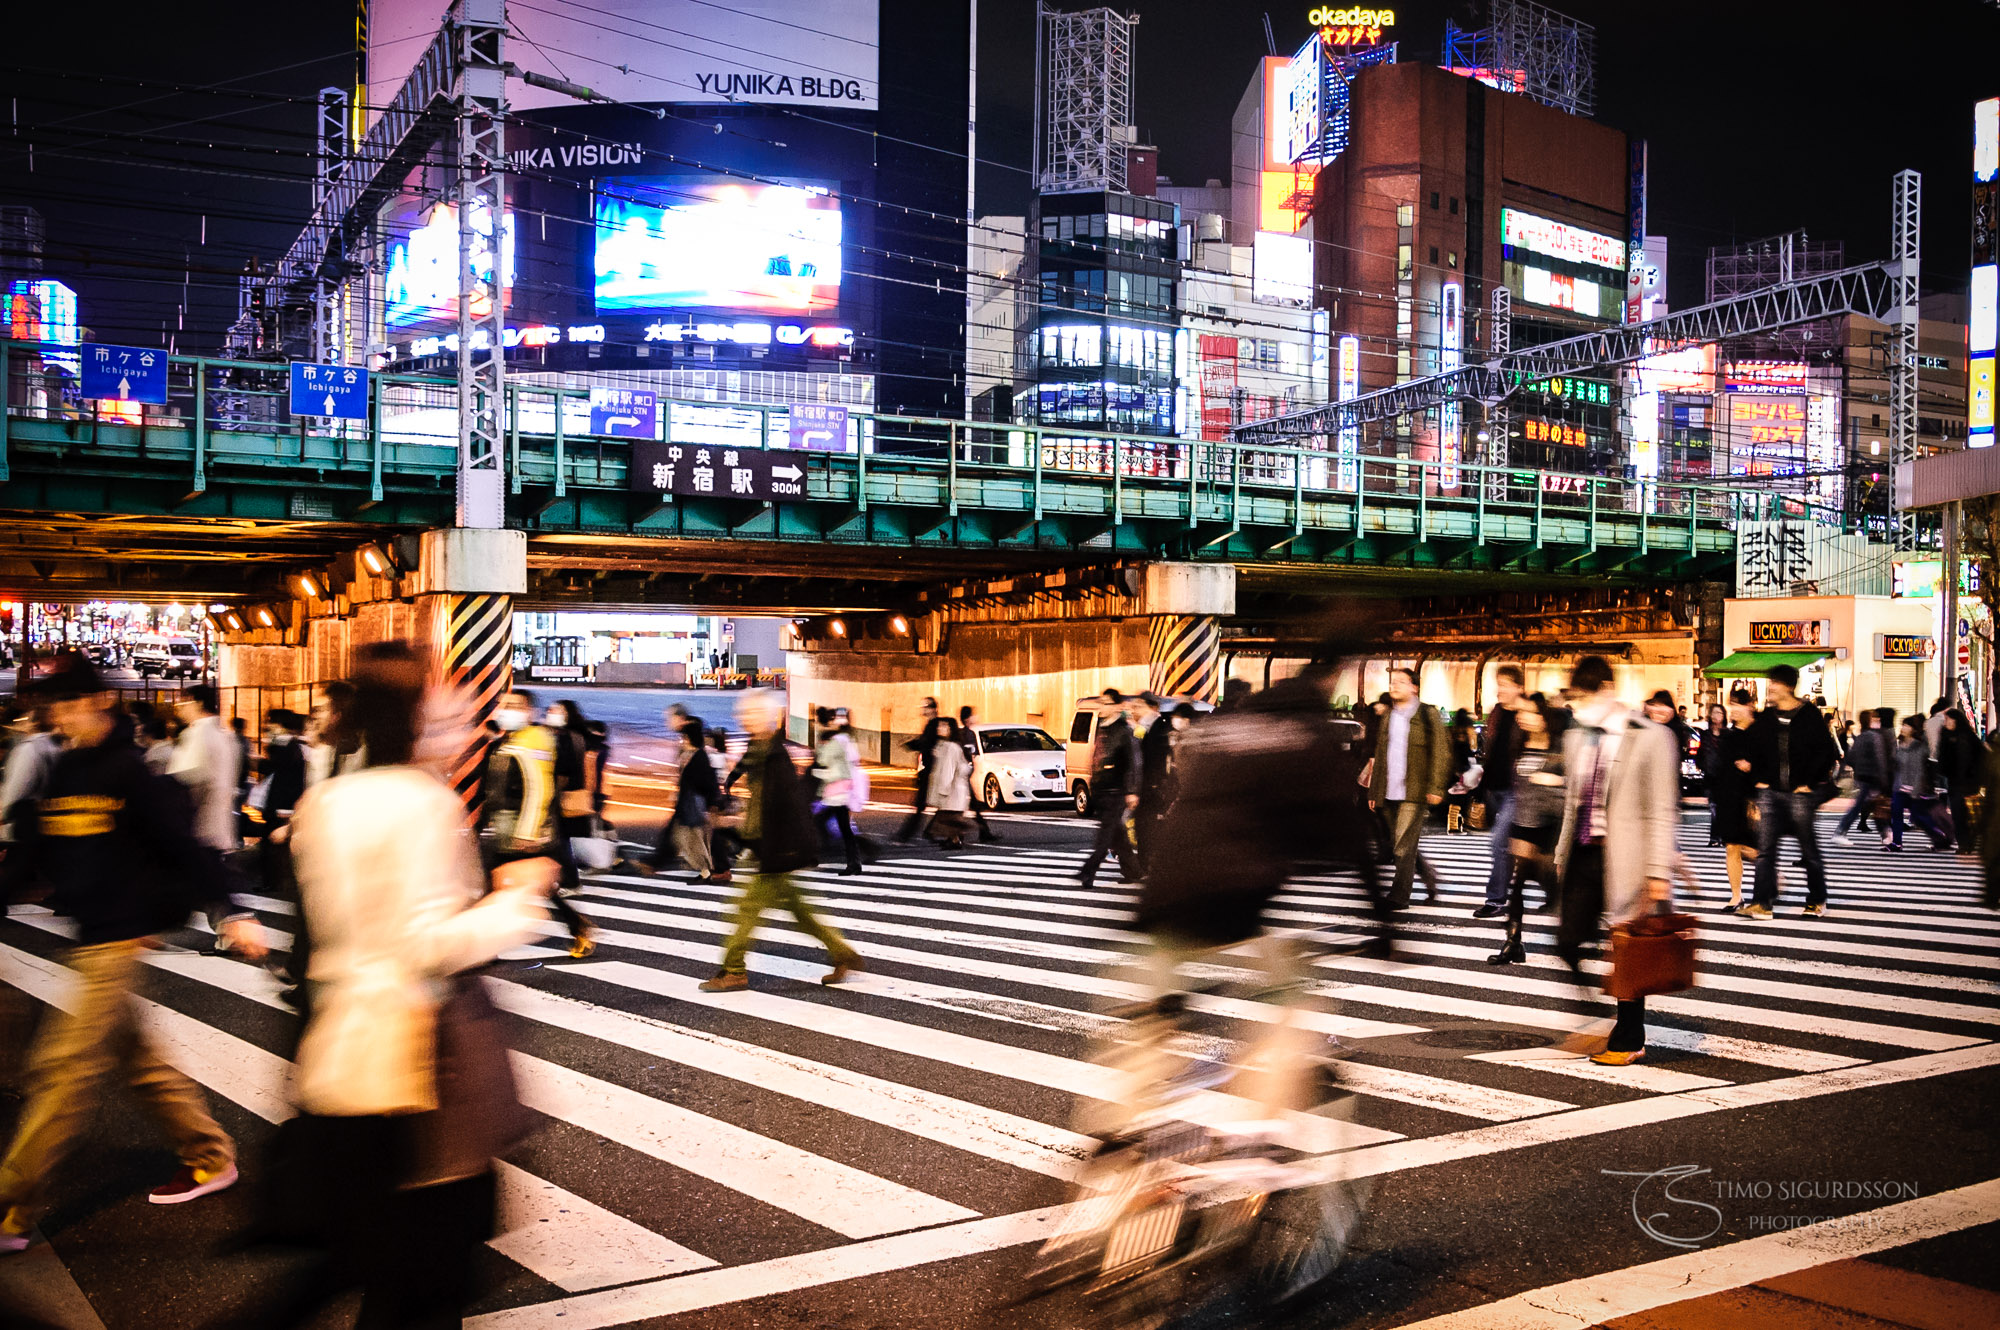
1082,744
167,657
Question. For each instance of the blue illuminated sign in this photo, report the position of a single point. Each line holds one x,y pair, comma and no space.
339,392
124,373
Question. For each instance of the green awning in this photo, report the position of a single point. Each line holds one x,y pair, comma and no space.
1752,664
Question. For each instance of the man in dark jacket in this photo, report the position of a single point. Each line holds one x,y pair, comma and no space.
1412,769
520,804
114,842
1872,758
1791,756
921,746
1961,760
1114,788
1156,761
1496,785
777,826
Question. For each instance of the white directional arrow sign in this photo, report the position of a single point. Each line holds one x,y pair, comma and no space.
329,403
124,388
786,472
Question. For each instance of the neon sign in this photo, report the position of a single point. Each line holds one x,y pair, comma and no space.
1450,336
1348,472
1557,431
1588,391
1353,26
1771,420
1763,376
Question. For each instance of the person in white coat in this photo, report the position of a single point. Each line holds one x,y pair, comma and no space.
843,781
1616,853
207,759
951,784
391,891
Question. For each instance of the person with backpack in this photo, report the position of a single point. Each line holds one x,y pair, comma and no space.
520,811
114,844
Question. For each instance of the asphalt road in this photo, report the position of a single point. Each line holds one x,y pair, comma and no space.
881,1155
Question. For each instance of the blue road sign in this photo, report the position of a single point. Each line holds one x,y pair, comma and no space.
126,373
339,391
814,425
624,413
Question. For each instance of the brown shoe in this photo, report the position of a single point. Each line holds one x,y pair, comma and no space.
583,944
643,869
842,968
725,983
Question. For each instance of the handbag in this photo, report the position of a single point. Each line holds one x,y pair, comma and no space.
1651,954
479,1113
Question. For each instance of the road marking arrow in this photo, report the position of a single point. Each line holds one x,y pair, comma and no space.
786,472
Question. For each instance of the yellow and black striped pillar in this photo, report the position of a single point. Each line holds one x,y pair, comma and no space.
1185,655
472,647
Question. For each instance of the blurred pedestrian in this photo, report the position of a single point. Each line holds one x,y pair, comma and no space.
776,826
520,811
967,718
1496,784
1155,740
1464,740
1661,710
156,743
950,784
1732,793
401,1080
1962,764
30,760
1411,770
1114,789
1872,759
1791,757
921,745
697,795
111,842
206,760
843,781
1535,808
1915,793
240,732
1616,850
331,745
283,765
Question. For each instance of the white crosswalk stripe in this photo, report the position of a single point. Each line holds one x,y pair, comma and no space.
819,1130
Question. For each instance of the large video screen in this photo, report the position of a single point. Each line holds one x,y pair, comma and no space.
706,243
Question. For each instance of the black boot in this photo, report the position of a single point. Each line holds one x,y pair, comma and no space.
1511,952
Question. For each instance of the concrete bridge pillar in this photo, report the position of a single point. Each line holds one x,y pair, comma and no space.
1184,603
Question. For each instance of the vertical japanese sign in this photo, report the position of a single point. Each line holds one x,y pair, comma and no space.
1451,322
1635,234
1348,477
1985,273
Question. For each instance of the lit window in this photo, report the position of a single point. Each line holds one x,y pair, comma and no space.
1406,214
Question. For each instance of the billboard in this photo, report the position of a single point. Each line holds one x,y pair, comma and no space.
700,243
1985,274
1768,377
1561,240
1281,269
1764,419
421,285
757,52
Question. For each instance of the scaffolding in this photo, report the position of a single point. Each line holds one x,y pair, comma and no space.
1084,70
1737,270
1532,50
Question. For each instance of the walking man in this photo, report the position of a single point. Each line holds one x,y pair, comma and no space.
1411,770
921,746
111,840
520,800
777,826
1496,786
206,759
1791,753
1616,851
1114,788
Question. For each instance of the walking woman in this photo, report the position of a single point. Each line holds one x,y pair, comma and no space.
951,784
1538,814
1711,753
1731,791
843,782
403,1091
696,796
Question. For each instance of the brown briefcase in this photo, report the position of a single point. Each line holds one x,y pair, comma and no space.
1651,954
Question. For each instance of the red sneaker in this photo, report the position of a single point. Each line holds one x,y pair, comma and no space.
191,1183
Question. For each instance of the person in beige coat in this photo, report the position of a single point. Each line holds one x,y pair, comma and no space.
1617,850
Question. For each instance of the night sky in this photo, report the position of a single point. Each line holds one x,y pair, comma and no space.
1761,118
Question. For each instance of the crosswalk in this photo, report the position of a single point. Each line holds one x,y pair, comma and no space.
702,1149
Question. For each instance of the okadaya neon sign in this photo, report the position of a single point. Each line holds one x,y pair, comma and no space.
1352,26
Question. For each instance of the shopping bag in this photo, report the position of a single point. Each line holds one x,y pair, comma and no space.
1651,954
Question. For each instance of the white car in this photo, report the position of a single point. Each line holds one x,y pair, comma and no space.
1016,764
